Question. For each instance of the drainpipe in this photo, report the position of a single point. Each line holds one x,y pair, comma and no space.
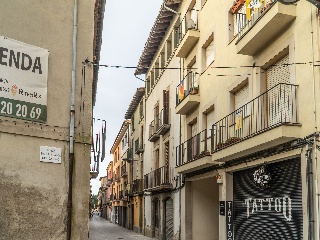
310,191
179,153
71,143
311,205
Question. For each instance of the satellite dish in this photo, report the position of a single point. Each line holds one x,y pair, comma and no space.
287,2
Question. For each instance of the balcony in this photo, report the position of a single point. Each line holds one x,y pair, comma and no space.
113,197
160,125
109,182
188,35
137,186
187,94
266,23
117,178
194,154
153,136
138,147
124,171
266,121
159,180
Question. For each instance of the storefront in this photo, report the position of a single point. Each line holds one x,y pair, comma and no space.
267,202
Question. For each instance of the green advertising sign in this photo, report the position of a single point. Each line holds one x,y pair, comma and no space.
23,80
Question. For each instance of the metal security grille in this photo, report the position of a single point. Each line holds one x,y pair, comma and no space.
269,218
169,219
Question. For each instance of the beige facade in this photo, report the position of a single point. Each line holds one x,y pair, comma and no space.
245,119
120,150
161,183
34,194
136,113
254,101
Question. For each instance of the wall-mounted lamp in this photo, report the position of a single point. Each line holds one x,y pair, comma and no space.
219,179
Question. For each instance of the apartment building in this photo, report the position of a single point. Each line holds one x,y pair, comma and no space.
248,101
161,183
134,159
102,196
45,117
109,190
120,150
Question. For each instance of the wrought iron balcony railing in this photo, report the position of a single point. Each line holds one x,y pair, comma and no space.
244,21
138,146
160,125
273,108
124,170
194,148
189,85
137,186
188,22
159,179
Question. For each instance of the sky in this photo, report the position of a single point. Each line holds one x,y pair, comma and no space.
126,28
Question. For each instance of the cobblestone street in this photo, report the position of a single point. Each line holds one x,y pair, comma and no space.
101,229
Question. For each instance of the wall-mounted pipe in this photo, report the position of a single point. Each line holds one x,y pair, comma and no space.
72,111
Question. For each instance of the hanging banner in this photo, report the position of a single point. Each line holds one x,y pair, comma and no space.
23,80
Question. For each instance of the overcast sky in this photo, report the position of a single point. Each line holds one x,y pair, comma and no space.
126,27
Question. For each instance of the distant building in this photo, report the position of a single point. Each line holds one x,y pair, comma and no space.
134,188
120,150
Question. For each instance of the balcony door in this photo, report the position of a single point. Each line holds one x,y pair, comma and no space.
156,118
165,118
241,122
279,96
194,132
166,154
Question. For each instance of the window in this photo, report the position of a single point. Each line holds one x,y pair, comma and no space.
141,109
156,158
209,49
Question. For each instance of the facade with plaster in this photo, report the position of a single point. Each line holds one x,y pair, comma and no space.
249,132
46,138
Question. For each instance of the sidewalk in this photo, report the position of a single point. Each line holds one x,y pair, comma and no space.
101,229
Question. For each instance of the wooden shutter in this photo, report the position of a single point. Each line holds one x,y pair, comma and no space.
165,106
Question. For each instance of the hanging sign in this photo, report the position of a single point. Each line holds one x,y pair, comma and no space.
23,80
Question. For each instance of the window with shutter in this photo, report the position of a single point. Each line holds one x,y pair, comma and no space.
279,106
210,53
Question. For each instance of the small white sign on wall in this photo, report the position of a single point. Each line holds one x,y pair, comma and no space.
50,154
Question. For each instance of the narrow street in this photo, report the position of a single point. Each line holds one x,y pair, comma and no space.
101,229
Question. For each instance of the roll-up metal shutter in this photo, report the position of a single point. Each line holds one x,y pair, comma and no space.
169,219
272,213
241,97
279,97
